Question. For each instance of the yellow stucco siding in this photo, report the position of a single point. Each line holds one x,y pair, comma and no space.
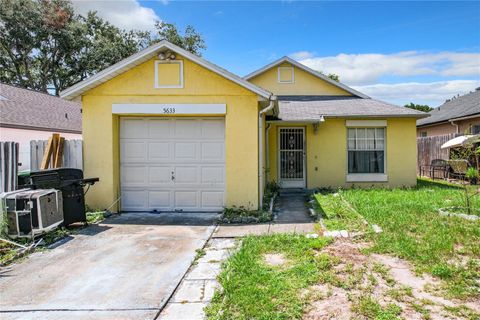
101,128
326,154
304,83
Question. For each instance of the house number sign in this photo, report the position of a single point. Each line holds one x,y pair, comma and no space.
150,108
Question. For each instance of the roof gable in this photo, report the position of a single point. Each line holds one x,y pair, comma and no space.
147,54
316,74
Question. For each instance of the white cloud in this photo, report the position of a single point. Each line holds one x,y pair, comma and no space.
432,93
360,69
125,14
302,55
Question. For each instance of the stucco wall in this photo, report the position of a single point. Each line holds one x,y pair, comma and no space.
304,84
326,154
101,128
464,126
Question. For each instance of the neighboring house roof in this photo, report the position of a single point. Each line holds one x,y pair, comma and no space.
28,109
312,108
306,69
463,106
146,54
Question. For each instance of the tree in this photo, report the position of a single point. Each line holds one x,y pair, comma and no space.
419,107
45,46
191,40
334,77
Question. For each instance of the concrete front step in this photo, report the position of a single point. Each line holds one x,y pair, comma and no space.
287,191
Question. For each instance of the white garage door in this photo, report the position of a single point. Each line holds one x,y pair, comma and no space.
171,164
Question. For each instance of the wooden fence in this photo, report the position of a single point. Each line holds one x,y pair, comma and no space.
72,154
428,149
8,166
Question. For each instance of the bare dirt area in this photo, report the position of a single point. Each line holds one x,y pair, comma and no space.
361,286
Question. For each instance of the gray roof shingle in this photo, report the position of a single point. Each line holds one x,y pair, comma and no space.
310,108
463,106
23,108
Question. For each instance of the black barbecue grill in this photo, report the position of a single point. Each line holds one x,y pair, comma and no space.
70,181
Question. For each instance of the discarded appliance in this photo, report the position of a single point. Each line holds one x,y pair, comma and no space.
31,212
71,183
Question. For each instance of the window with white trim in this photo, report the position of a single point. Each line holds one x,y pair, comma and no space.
366,150
476,129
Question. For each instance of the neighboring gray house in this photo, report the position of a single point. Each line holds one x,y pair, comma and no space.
27,115
457,115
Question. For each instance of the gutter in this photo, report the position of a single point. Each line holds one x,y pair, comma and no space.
270,106
33,128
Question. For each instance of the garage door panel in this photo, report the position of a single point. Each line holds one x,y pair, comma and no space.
160,175
212,199
189,150
186,175
213,151
187,129
134,200
159,151
213,129
134,128
159,128
185,151
213,175
134,175
133,151
160,200
186,199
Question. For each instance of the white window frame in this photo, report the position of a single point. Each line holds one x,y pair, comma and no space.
291,70
157,62
368,177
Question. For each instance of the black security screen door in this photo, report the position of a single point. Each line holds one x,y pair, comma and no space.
292,150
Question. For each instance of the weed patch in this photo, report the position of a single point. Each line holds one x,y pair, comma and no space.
253,289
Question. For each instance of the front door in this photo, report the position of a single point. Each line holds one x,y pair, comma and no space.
292,157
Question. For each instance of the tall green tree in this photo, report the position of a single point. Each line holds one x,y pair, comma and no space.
419,107
191,40
45,46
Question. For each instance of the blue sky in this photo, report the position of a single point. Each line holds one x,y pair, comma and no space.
423,52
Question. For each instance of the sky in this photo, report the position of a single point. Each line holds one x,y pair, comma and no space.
400,52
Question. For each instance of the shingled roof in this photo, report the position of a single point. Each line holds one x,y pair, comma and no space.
312,108
463,106
28,109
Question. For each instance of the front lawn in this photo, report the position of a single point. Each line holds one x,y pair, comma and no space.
264,279
446,247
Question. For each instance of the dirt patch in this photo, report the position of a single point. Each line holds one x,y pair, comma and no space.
274,259
331,303
348,251
361,283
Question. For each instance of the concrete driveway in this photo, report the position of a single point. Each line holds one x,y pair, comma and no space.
123,268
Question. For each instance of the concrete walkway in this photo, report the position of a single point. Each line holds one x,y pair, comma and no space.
199,284
291,217
291,208
123,268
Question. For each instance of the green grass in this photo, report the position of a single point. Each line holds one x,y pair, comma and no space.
446,247
254,290
336,213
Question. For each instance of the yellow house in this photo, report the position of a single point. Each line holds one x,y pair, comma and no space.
166,130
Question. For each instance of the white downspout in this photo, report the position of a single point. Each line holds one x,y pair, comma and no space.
260,149
454,124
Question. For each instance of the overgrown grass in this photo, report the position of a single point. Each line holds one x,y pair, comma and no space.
244,215
254,290
337,214
446,247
